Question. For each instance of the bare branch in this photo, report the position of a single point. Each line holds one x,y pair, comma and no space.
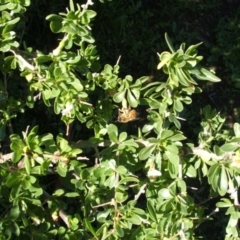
141,191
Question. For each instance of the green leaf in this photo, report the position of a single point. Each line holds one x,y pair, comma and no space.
62,169
16,156
14,213
90,13
192,49
122,136
27,164
182,185
129,78
121,170
216,179
113,133
129,143
78,86
54,17
26,183
134,219
173,168
186,75
121,196
164,58
102,216
212,172
177,137
32,135
181,77
207,75
120,231
231,210
204,169
152,211
48,137
178,106
176,122
10,25
111,182
17,143
63,145
165,193
140,212
136,92
108,69
128,179
234,218
13,178
223,182
56,23
71,195
181,64
58,192
89,39
169,43
15,229
131,99
236,128
147,128
75,29
173,157
146,152
118,97
225,202
43,59
172,149
191,171
15,191
137,232
229,147
166,134
90,228
71,4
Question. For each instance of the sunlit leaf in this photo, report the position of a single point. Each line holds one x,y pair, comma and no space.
102,216
122,136
207,75
152,211
225,202
146,152
27,164
229,147
165,193
62,169
128,179
121,196
118,97
58,192
223,182
131,99
236,128
113,133
178,106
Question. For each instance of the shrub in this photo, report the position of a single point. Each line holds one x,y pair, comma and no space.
131,174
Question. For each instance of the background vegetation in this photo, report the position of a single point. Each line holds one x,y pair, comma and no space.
77,199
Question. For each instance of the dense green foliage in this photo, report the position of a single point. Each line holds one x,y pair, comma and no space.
113,122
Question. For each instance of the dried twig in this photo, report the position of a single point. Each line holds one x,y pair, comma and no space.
141,191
